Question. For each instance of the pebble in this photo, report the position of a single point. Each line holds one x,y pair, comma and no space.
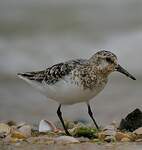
65,140
139,140
110,139
20,124
10,139
18,135
132,121
125,139
26,130
110,127
109,133
7,139
83,139
138,131
101,136
4,130
109,130
11,123
119,136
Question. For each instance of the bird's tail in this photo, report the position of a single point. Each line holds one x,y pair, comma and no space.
32,78
27,75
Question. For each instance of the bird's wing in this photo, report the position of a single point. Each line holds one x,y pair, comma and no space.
54,73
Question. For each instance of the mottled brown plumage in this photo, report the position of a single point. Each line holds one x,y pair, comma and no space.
54,73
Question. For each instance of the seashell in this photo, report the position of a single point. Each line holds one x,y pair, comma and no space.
4,130
46,125
65,140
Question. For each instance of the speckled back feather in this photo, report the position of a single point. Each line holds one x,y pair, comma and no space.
54,73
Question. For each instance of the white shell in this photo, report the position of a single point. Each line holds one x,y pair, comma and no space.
46,125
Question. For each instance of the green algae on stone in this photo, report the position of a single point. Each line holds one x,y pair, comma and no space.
88,132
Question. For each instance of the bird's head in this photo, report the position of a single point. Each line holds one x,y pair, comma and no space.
107,62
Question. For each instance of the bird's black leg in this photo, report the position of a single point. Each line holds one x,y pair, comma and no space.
91,115
59,113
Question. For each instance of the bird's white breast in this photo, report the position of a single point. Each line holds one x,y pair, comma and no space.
66,91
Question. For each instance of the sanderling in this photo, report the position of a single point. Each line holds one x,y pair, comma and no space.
75,81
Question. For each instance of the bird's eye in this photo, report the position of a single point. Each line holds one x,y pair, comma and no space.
109,60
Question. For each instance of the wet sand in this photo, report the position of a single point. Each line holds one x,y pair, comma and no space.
84,146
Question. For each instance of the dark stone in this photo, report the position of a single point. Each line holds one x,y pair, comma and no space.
132,121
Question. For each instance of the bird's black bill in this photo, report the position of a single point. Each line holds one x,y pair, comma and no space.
122,70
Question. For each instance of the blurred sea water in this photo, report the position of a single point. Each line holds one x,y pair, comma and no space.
36,34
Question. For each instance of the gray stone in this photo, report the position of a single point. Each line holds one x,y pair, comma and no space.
65,140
